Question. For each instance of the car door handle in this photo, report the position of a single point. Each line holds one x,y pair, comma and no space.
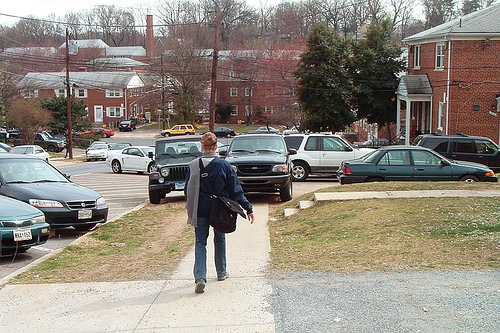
383,169
420,169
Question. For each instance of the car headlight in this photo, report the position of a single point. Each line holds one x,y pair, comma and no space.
165,172
40,203
38,219
281,168
100,202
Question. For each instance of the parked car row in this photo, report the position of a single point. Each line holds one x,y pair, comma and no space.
50,199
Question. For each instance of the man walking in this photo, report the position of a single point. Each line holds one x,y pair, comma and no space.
223,182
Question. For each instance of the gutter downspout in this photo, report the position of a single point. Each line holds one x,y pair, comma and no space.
448,89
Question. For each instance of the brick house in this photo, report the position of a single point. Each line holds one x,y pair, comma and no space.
453,80
259,86
110,96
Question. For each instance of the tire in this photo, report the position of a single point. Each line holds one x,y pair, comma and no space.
154,197
52,149
300,171
151,167
469,179
166,134
116,166
88,159
287,193
84,227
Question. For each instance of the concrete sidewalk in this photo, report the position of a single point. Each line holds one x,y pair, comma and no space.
235,305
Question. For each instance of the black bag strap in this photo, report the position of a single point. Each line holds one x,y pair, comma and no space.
204,177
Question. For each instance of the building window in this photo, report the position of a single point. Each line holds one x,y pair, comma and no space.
234,111
232,75
440,116
440,56
416,57
233,92
29,93
248,92
248,110
114,111
81,93
114,93
60,92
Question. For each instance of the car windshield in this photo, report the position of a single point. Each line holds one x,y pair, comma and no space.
253,145
22,150
178,151
102,146
29,171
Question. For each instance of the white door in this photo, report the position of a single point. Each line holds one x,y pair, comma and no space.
98,114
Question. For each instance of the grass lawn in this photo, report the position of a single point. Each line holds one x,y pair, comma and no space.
391,234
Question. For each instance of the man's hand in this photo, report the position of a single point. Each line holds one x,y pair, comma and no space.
251,218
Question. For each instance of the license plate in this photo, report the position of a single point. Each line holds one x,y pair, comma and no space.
84,214
179,186
22,235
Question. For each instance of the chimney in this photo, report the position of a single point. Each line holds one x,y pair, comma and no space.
149,37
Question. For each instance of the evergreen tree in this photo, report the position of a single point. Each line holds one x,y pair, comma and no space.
375,65
324,89
59,122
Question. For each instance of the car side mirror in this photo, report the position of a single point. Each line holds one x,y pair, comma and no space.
444,163
222,152
292,151
150,155
66,175
348,149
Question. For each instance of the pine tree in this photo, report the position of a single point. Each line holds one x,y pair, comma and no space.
324,89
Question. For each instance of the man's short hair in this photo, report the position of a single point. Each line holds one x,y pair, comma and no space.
209,139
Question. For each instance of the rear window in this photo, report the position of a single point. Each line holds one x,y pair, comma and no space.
293,141
437,144
464,146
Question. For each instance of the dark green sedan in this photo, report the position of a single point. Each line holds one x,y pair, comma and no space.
21,226
411,163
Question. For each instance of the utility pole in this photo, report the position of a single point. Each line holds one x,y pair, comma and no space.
162,92
68,99
215,62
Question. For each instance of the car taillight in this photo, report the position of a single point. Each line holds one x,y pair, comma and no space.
490,174
347,171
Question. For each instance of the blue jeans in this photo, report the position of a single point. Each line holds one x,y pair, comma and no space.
200,250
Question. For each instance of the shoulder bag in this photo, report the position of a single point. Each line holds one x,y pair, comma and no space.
223,211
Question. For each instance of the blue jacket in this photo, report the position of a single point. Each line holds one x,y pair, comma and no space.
223,182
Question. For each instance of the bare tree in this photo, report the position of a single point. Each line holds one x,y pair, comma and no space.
438,11
27,117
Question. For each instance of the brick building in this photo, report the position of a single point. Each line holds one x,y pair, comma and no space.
453,80
259,86
109,96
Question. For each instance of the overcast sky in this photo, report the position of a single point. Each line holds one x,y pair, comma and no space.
43,8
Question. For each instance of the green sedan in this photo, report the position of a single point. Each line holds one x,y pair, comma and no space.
411,163
21,226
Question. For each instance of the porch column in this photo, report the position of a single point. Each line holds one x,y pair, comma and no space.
407,125
398,116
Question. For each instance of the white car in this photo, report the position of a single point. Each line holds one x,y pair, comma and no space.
134,158
97,151
34,150
320,154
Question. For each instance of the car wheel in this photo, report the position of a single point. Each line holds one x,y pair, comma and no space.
116,167
286,193
84,227
52,149
154,197
151,167
469,179
88,159
300,171
166,134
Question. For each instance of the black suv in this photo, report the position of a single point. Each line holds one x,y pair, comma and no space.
172,157
462,147
127,125
262,163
